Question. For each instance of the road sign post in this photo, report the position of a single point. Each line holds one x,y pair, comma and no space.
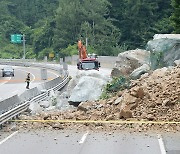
24,47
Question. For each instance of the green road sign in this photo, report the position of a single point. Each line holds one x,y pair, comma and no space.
16,38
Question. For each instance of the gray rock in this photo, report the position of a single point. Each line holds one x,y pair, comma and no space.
164,52
35,108
44,104
118,100
139,71
130,60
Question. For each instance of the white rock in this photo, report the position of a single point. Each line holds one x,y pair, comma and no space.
44,104
89,86
35,108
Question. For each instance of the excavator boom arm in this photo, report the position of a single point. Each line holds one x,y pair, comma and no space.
82,50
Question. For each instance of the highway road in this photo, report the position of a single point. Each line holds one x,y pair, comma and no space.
79,142
73,71
10,86
73,142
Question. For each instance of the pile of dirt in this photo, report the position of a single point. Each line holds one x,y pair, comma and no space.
154,97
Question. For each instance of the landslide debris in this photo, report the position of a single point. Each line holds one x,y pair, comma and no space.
154,97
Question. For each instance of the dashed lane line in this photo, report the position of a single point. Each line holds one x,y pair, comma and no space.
161,144
7,138
83,138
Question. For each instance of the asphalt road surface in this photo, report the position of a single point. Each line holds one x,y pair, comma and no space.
71,142
10,86
73,71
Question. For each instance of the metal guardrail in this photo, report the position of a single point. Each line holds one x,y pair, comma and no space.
9,103
15,105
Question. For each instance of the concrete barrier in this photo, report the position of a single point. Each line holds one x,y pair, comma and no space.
9,103
29,94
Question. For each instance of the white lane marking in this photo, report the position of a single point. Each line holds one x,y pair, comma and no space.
83,138
161,144
8,137
9,78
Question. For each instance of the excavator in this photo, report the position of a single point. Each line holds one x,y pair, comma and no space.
86,62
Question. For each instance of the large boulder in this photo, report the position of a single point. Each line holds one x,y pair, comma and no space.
164,51
89,86
130,60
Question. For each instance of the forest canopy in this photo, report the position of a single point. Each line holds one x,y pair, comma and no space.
110,26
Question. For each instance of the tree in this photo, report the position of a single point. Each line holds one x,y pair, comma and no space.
42,35
30,12
139,20
80,19
176,16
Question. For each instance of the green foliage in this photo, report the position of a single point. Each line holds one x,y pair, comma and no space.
139,20
117,84
42,36
30,53
85,19
157,60
111,26
163,26
30,12
69,51
45,52
118,49
15,51
175,16
11,51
